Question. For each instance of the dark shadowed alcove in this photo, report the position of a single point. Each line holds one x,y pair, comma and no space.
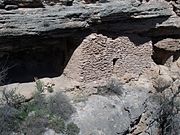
40,56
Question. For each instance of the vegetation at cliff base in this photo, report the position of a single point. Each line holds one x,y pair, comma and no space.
35,115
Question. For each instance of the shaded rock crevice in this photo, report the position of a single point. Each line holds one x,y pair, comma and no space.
164,57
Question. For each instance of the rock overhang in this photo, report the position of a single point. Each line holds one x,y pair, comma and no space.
36,21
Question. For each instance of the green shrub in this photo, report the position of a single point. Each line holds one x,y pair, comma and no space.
11,98
72,129
57,124
39,85
10,112
35,124
23,116
112,87
9,119
166,112
59,105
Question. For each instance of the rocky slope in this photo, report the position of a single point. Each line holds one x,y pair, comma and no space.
118,60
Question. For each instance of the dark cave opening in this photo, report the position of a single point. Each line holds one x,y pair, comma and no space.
161,56
39,57
26,64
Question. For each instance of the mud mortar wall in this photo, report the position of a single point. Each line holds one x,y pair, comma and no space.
99,57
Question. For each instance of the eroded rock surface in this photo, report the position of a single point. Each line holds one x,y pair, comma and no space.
99,57
169,44
130,17
113,114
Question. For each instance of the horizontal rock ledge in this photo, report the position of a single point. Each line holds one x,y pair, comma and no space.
139,18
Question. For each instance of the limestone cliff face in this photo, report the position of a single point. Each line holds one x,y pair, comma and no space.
129,37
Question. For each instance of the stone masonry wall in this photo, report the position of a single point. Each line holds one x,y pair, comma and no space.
99,57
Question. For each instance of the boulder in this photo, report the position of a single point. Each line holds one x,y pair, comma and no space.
162,82
169,44
176,5
11,7
110,115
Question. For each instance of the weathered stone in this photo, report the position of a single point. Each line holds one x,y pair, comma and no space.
106,117
175,69
11,7
161,77
162,82
163,70
110,115
176,5
130,18
169,44
176,120
101,57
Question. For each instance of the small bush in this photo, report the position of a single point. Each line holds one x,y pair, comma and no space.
57,124
60,106
39,85
113,86
11,98
165,113
34,116
72,129
10,112
38,101
9,119
35,124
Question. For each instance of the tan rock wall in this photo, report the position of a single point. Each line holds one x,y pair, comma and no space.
99,57
169,44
